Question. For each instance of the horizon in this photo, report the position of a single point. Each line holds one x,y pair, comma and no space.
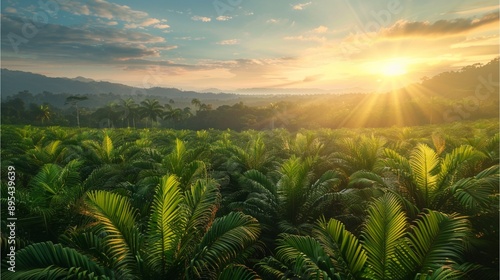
237,45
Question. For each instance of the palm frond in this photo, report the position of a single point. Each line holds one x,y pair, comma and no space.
305,257
166,225
271,268
366,179
224,241
456,162
436,240
116,218
442,273
240,272
342,245
385,226
476,193
396,163
424,161
259,183
53,261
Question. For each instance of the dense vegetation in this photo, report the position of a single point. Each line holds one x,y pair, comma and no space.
392,203
470,93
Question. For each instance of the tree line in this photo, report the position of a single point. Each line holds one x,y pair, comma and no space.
326,111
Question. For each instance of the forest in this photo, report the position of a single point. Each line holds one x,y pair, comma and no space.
398,202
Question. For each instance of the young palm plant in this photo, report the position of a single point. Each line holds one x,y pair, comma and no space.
361,153
50,199
431,247
293,202
181,240
445,183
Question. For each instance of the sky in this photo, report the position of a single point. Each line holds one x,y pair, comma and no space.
331,45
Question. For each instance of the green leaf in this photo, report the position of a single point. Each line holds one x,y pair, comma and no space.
52,261
166,224
385,226
436,240
305,257
344,246
224,241
423,162
238,272
117,219
476,193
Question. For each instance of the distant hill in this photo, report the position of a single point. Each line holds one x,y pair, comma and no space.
452,85
462,83
16,81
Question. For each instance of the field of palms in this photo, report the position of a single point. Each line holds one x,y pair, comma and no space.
387,203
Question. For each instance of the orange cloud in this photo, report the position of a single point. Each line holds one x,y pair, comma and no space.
405,28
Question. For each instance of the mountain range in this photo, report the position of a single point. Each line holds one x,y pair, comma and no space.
451,85
16,81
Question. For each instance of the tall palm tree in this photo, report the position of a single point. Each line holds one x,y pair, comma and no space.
196,103
74,100
131,109
181,240
152,110
44,113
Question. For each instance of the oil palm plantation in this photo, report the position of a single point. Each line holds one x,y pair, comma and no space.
182,239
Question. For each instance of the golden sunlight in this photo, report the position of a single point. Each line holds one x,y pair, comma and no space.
393,68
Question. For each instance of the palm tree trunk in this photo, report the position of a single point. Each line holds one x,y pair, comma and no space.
77,116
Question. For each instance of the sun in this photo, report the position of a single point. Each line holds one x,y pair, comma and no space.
393,68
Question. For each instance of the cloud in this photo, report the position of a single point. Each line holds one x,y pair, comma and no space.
229,42
306,38
307,79
477,41
320,29
478,10
405,28
10,10
273,20
189,38
223,18
61,43
150,21
300,7
76,8
161,26
200,18
104,9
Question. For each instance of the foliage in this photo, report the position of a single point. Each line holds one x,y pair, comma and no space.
396,203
